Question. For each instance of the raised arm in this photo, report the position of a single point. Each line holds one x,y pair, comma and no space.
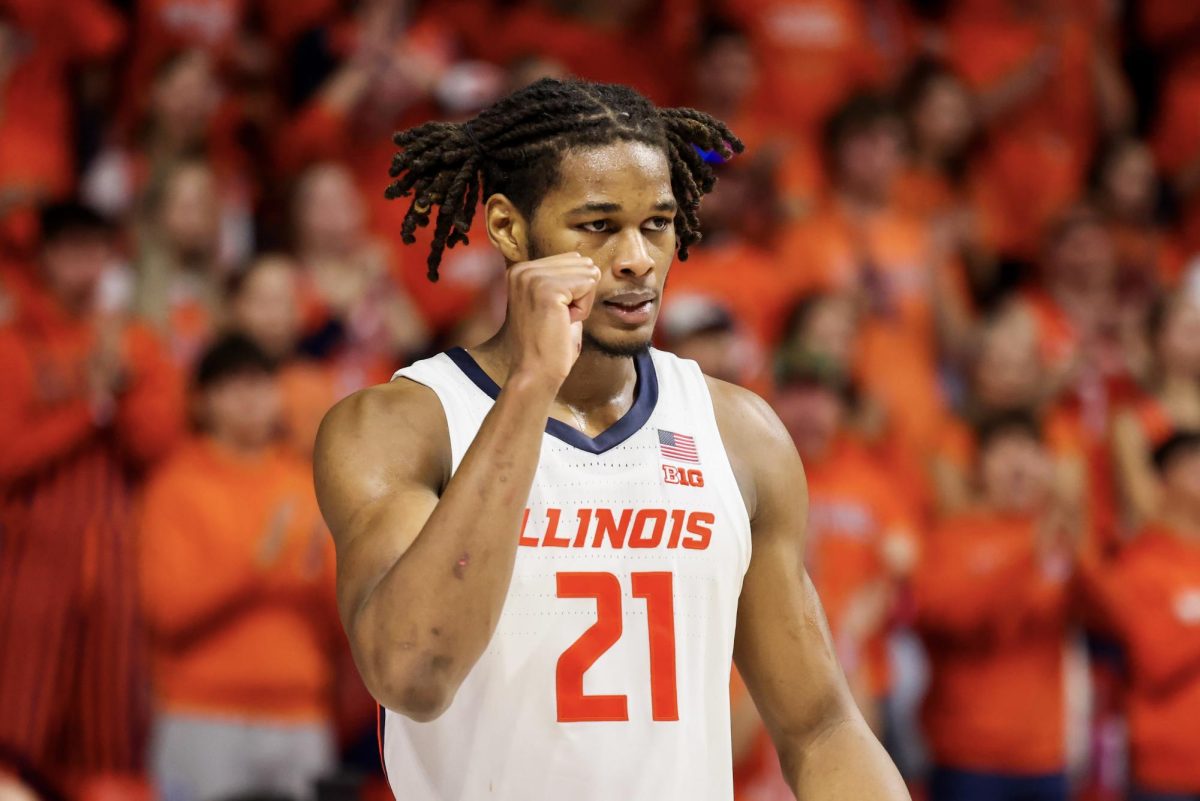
425,558
783,649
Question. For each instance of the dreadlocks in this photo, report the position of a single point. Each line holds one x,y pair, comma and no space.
514,147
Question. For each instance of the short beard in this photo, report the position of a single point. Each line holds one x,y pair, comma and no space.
626,350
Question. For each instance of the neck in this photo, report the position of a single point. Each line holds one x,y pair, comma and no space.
598,386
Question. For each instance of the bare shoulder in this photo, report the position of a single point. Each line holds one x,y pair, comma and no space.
759,447
378,440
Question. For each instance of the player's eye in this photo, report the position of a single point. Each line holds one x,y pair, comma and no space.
595,226
658,223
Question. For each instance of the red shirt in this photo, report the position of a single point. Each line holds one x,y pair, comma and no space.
994,623
1150,597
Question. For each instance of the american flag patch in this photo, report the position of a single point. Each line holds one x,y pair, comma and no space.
679,447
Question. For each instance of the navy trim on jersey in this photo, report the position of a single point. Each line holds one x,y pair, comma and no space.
645,398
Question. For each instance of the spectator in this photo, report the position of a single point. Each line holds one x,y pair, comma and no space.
861,540
1149,598
821,45
1171,403
992,601
725,77
89,400
1075,310
243,649
354,309
1006,377
264,301
187,119
938,183
45,46
1126,189
695,327
736,266
1048,87
179,270
862,243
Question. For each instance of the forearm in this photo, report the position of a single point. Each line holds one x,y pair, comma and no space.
845,762
33,442
427,621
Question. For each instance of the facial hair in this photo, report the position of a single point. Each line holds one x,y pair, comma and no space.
590,343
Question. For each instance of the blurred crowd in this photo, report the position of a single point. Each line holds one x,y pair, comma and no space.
961,257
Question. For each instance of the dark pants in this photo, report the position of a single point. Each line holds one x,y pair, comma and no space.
949,784
1150,795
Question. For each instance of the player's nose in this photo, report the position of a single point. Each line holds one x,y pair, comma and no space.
632,258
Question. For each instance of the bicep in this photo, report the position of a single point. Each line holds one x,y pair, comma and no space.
378,465
783,648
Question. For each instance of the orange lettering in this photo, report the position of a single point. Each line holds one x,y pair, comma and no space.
699,524
585,520
606,526
528,542
638,539
551,541
677,516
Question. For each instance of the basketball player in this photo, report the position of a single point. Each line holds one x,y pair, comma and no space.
547,543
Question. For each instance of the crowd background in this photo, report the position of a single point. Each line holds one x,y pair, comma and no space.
960,257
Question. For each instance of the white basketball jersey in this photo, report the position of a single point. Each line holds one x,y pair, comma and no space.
607,678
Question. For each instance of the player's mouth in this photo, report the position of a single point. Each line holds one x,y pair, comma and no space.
631,308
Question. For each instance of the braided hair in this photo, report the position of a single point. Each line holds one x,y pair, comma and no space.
514,146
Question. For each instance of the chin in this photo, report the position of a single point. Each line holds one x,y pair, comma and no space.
617,346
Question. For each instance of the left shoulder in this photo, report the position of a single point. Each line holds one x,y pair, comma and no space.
743,413
759,447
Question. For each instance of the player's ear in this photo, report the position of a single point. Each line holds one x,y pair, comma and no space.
507,228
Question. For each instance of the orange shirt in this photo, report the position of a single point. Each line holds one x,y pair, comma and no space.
310,389
889,261
852,507
994,621
46,421
745,279
813,54
36,127
1038,151
1150,596
238,581
636,56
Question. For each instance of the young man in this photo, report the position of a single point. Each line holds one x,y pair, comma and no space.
992,606
87,402
544,543
238,584
1150,597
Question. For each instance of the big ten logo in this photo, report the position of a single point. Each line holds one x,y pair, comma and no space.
687,477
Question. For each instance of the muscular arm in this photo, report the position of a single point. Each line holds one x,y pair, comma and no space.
783,648
425,559
421,580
